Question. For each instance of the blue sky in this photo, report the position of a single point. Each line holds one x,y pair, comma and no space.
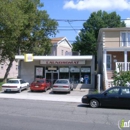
81,10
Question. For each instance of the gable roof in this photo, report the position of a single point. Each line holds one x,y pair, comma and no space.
58,40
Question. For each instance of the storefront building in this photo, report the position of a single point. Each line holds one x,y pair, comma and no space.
74,68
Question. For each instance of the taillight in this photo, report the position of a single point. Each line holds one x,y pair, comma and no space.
65,86
55,86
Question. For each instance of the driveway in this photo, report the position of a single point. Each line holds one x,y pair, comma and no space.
74,96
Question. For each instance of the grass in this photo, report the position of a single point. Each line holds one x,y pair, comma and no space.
1,85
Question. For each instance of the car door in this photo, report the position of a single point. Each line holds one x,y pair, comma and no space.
124,97
23,84
111,97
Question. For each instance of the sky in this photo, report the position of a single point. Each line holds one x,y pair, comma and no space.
71,14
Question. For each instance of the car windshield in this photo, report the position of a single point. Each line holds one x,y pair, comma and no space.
61,82
39,81
13,81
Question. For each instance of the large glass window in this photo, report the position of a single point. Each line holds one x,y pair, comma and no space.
85,75
75,74
64,72
39,72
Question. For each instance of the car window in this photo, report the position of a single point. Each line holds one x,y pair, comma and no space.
39,81
125,91
22,81
113,91
13,81
62,82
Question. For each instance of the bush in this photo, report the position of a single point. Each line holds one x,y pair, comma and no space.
122,78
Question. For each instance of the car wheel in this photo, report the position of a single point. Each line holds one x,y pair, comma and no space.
94,103
19,90
32,91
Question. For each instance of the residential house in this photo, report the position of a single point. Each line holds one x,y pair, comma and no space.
113,50
61,47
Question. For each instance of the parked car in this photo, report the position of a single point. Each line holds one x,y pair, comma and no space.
40,85
15,85
113,97
62,85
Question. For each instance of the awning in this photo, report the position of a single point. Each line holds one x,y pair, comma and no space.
89,57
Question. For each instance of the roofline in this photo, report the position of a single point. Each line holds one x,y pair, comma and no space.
112,29
89,57
64,38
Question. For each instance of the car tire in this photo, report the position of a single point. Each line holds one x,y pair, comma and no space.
32,91
94,103
19,90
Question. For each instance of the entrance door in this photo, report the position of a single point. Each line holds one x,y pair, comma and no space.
52,76
108,62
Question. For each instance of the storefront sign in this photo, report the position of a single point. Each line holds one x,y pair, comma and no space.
51,68
28,57
74,69
62,62
85,69
64,69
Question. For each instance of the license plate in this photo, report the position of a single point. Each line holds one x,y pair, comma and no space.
36,86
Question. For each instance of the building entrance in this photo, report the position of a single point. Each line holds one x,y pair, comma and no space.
52,76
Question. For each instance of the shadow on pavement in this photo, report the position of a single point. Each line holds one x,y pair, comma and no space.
59,93
83,105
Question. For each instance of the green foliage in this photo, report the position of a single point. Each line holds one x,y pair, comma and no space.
121,78
24,28
86,40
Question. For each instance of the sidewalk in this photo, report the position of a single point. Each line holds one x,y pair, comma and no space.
74,96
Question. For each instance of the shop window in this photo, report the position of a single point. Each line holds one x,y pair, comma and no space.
39,72
85,75
64,73
75,74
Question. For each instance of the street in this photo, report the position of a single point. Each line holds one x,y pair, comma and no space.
19,114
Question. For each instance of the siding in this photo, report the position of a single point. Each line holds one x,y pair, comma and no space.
112,39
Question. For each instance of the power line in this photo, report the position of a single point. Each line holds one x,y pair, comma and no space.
75,20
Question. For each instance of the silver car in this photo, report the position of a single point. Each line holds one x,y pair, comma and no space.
62,85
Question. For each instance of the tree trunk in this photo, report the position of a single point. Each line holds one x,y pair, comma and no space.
8,69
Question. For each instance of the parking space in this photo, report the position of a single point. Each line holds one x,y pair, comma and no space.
49,92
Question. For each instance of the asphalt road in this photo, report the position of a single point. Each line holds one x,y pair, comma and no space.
42,115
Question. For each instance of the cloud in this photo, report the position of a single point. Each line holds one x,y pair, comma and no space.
94,5
127,22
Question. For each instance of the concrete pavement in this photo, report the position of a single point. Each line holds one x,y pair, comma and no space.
74,96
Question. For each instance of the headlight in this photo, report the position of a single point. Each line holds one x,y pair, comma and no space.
85,97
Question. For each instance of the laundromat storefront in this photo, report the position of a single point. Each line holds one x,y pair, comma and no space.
52,68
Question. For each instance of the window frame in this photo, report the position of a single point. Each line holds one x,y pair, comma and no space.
127,42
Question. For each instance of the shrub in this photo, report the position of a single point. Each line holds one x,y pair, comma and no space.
121,78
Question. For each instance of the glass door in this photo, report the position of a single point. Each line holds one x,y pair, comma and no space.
108,62
52,76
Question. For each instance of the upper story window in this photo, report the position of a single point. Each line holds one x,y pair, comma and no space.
125,39
62,52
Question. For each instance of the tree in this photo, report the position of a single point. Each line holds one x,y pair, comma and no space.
86,40
24,29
